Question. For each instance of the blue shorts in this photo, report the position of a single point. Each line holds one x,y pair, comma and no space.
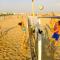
56,36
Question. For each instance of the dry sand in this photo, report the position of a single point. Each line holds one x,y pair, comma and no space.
14,44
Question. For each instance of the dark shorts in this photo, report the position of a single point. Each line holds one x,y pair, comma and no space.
56,36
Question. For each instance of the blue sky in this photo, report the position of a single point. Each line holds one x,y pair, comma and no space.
26,5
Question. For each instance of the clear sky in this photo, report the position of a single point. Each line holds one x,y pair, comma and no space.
26,5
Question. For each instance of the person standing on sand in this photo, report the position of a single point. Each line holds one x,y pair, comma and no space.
56,31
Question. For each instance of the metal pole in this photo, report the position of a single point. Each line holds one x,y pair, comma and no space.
30,41
33,7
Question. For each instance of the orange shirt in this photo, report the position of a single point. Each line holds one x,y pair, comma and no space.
57,28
